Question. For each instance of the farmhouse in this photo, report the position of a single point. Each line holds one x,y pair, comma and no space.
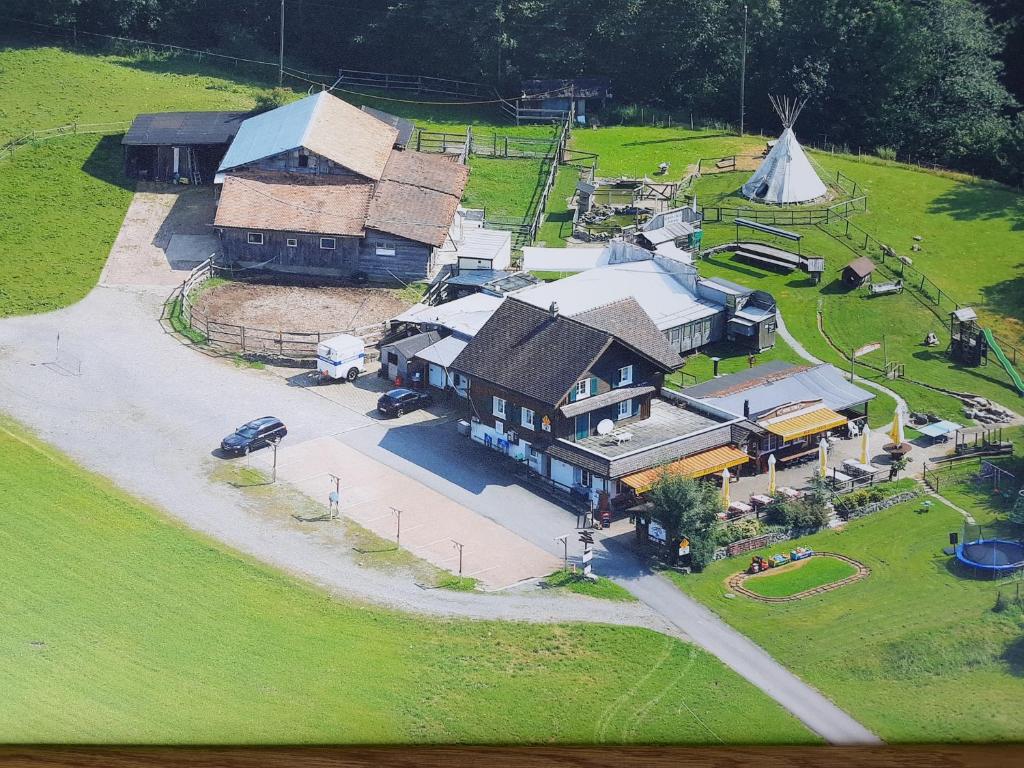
317,187
786,408
170,146
578,398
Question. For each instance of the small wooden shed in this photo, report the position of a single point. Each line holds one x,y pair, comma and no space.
169,146
858,271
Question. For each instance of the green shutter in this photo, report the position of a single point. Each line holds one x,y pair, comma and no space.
593,385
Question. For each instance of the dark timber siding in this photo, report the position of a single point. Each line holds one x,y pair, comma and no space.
289,162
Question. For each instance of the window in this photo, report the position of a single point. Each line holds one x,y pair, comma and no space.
292,242
625,409
586,478
499,407
303,160
582,389
625,375
527,418
328,243
386,248
255,238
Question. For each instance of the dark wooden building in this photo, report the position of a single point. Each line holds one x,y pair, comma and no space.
170,146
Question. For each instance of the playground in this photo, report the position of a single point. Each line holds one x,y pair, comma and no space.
798,574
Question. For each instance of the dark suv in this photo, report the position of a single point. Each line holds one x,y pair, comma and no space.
399,401
258,433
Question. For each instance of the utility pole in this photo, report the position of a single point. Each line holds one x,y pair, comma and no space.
459,546
565,548
743,71
280,54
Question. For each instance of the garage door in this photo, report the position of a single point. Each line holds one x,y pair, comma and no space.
435,376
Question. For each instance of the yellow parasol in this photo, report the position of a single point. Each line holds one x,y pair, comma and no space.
865,444
823,457
771,475
725,488
896,431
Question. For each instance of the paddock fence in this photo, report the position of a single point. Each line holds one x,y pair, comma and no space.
70,129
286,347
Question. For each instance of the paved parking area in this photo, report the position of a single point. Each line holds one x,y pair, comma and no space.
431,523
166,232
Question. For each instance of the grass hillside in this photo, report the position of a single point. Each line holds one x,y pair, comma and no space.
914,651
120,626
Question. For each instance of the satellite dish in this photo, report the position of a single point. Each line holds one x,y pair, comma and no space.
605,426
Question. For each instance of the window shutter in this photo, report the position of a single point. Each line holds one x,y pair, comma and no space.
572,394
593,385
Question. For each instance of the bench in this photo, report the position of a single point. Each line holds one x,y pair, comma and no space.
770,256
881,289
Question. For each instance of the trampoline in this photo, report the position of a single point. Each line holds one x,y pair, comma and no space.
994,556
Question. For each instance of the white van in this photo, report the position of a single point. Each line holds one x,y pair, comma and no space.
343,357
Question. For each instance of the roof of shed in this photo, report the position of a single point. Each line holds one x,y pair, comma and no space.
183,128
862,267
465,316
284,202
404,127
410,345
321,123
444,352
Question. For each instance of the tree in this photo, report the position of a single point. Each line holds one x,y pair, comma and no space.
687,508
1017,512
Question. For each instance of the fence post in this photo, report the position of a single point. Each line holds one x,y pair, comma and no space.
241,330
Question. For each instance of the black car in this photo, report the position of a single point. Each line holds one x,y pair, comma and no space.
399,401
258,433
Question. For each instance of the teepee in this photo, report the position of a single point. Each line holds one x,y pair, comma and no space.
785,175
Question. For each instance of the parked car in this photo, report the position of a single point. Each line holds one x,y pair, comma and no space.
399,401
258,433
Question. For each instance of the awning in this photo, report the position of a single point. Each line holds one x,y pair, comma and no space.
803,424
697,465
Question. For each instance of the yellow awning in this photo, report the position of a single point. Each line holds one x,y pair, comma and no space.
807,423
698,465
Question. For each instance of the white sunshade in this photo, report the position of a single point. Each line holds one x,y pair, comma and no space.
785,175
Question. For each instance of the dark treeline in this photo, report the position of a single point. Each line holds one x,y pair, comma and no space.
938,80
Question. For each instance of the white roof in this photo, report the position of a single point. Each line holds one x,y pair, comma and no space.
464,316
669,232
538,259
665,298
785,175
478,243
444,352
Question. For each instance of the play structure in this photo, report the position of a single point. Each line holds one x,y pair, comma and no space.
988,552
785,176
970,344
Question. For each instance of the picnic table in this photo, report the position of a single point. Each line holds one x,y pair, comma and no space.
857,469
738,509
838,478
790,493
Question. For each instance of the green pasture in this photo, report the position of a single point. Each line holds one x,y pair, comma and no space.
914,651
799,577
121,626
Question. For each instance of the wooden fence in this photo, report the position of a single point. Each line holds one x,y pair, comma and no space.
286,346
781,217
70,129
441,86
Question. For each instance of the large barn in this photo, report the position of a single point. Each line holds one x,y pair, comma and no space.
319,187
171,146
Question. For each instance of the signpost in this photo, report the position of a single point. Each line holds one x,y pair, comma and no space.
588,554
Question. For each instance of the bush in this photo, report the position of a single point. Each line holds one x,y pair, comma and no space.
272,99
742,529
886,153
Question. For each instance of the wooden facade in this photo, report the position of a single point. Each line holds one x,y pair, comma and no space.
297,161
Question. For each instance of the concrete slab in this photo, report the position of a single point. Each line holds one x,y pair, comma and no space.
431,523
186,252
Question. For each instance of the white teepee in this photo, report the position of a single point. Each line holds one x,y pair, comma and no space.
785,175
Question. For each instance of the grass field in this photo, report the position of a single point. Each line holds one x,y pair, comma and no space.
799,577
153,634
576,583
914,651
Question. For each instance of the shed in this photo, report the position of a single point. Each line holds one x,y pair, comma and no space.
168,146
439,358
562,94
858,271
395,356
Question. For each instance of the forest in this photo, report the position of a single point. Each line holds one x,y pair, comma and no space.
940,81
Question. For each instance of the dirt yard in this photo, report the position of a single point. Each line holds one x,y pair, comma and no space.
300,309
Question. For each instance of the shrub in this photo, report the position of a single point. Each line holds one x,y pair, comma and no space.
272,99
742,529
886,153
1017,513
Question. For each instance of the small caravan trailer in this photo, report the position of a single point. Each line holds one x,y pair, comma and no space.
342,357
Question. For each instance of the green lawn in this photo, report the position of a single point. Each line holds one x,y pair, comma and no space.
575,582
557,223
121,626
914,651
798,577
505,189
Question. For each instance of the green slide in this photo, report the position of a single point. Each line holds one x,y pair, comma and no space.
1006,363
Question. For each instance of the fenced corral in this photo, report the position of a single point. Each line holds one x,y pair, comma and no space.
979,473
440,86
486,144
71,129
787,217
287,347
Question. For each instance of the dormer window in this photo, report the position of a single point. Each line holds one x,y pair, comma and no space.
582,389
625,376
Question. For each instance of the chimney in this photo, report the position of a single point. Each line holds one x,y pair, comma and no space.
715,361
746,409
553,310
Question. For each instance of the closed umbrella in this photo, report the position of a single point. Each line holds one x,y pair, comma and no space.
823,457
725,488
865,445
896,431
771,475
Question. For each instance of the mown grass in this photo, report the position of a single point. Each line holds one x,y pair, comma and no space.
121,626
604,589
914,651
798,577
507,189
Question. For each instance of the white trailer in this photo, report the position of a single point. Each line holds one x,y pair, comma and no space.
342,357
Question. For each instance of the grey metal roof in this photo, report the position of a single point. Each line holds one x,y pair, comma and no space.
733,381
444,352
823,382
627,321
611,397
405,127
183,128
965,313
726,286
410,345
476,277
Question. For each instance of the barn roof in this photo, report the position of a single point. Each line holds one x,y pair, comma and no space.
294,203
321,123
862,267
405,127
183,128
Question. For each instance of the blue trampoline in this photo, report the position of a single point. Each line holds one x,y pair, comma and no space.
993,556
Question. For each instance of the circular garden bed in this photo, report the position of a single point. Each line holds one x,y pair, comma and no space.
822,572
